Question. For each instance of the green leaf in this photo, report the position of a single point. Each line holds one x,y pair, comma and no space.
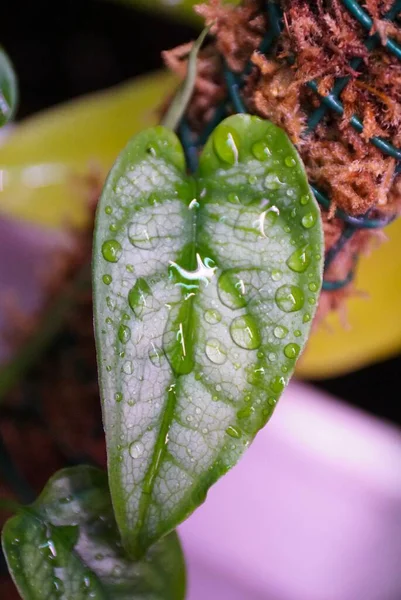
67,546
8,89
204,294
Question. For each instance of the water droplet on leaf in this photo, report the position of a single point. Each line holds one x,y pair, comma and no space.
280,332
127,368
260,150
226,144
276,275
291,350
212,316
136,449
308,220
300,260
278,384
290,161
231,290
111,251
137,296
124,334
216,352
233,432
245,333
289,298
156,356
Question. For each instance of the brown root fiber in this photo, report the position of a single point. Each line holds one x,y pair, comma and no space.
319,41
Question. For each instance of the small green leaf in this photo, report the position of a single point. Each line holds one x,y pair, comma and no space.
8,89
213,282
67,546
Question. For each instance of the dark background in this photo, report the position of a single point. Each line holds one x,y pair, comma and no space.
65,49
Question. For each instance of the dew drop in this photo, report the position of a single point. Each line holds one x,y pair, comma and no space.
280,332
156,356
118,397
277,384
308,220
194,204
272,182
304,200
113,227
291,350
306,318
233,432
216,352
260,150
252,179
108,210
245,413
297,333
107,279
212,316
140,237
276,275
111,304
136,449
231,290
289,298
124,334
127,368
111,251
137,296
272,357
299,260
290,161
58,586
245,333
233,198
226,144
312,287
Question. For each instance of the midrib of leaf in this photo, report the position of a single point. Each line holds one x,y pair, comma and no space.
169,410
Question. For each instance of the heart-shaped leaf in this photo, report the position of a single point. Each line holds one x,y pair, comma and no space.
66,545
8,89
204,293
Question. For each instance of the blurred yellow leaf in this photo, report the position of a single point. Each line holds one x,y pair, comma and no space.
375,323
178,9
42,158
